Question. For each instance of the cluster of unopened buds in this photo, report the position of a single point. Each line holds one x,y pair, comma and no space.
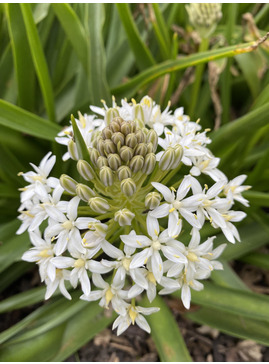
129,218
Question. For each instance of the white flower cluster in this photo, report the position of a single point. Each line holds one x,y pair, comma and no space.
103,232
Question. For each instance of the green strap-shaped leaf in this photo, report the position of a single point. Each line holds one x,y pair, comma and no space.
21,120
260,260
74,31
165,332
230,132
242,303
234,325
97,80
80,143
143,78
39,60
144,58
23,63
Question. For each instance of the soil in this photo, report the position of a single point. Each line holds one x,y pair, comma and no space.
134,345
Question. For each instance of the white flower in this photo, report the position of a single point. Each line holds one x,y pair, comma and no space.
61,276
177,204
109,293
42,253
151,248
80,263
207,166
132,315
41,173
234,189
66,228
137,288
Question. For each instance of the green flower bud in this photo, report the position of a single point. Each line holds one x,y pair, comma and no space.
110,115
106,176
101,162
128,127
126,153
152,200
152,137
68,183
72,149
140,136
131,140
178,156
138,112
115,127
85,170
204,17
109,146
167,159
124,217
150,148
137,163
118,137
114,161
128,186
101,147
149,163
94,155
124,172
84,192
98,204
141,149
107,133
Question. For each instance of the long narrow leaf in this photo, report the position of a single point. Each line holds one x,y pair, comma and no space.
16,118
39,60
165,332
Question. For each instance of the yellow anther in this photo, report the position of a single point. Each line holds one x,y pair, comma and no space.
138,242
206,186
186,147
156,232
168,133
83,240
133,101
146,260
44,253
151,278
192,257
108,296
198,121
53,238
160,267
22,189
208,129
27,213
173,189
172,209
79,263
20,174
174,236
132,314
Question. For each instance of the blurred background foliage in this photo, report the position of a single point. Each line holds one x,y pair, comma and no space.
57,59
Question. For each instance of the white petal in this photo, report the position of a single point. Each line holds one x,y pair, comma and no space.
186,296
85,283
165,191
142,323
153,226
140,259
62,262
72,208
157,266
161,211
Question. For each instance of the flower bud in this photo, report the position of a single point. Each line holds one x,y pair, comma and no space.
84,192
167,159
141,149
115,127
178,156
101,147
98,204
152,200
124,172
114,161
149,163
150,148
137,163
106,176
128,186
94,155
111,113
109,146
152,137
68,183
72,149
117,138
138,112
140,136
124,217
126,153
131,140
85,170
102,162
127,127
107,133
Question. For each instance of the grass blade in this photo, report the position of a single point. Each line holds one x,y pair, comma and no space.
144,58
22,57
39,60
16,118
165,332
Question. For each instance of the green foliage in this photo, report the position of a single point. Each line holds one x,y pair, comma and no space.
57,59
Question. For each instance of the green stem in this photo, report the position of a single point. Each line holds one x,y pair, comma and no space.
198,78
171,174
